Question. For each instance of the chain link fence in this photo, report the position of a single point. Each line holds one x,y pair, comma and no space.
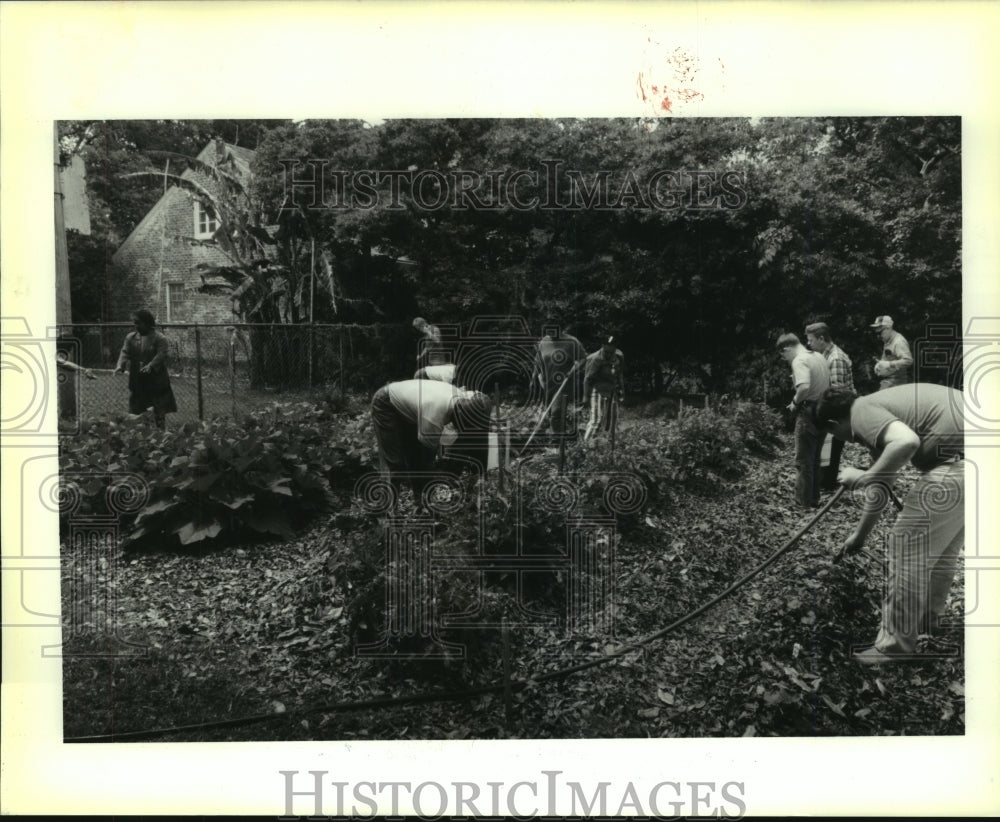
228,369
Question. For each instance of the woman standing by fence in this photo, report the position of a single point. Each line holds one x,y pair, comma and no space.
145,354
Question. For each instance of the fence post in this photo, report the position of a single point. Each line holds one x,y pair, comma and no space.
312,346
614,422
312,303
197,366
232,370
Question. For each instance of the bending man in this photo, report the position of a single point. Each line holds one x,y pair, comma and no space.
923,424
410,418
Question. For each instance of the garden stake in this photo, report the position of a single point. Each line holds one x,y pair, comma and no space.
562,436
341,336
508,701
496,405
614,423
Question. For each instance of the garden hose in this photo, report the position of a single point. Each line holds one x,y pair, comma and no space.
448,696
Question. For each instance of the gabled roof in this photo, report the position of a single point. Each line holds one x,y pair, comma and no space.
241,157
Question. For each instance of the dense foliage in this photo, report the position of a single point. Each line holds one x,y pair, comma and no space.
265,475
273,627
834,219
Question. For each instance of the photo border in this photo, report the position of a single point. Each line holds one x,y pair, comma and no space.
384,59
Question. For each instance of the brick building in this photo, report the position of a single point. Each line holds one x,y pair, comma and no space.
155,267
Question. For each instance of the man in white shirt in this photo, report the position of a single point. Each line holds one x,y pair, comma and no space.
413,418
810,378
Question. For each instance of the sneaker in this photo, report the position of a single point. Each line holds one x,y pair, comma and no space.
873,656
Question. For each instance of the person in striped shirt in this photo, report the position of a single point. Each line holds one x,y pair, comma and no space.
841,376
603,382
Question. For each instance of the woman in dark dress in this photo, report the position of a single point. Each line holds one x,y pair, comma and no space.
145,354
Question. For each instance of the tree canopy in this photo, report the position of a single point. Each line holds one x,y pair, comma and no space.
694,241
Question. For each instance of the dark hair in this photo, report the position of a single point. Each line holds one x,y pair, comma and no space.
821,330
786,341
834,406
145,317
472,413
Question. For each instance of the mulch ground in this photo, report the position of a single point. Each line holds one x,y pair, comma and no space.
253,630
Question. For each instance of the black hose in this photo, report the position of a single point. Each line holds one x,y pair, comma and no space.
448,696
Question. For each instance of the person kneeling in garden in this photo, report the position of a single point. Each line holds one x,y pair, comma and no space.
923,424
410,420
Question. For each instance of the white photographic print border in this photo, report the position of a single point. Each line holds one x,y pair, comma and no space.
64,61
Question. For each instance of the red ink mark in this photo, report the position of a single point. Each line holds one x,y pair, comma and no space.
669,78
642,90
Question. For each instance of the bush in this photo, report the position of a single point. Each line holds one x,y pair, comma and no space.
701,442
365,574
758,425
264,475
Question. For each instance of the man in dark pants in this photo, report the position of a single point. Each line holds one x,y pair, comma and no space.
410,420
924,425
811,378
555,359
841,376
603,383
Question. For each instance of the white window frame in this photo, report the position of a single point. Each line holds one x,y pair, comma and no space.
212,222
171,307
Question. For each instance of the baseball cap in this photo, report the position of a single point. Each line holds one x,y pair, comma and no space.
882,321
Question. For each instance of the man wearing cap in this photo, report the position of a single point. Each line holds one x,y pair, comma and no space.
429,348
810,378
410,420
923,424
603,382
841,376
896,364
